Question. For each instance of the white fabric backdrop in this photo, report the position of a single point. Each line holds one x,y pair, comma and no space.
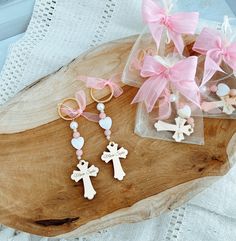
58,32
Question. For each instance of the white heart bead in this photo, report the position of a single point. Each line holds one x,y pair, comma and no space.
222,90
184,112
106,123
77,143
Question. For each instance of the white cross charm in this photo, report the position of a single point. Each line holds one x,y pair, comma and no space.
226,102
85,173
179,128
115,154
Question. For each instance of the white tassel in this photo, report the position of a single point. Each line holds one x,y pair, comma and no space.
21,237
167,37
227,29
6,233
168,5
226,25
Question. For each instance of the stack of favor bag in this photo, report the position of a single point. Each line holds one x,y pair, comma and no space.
182,74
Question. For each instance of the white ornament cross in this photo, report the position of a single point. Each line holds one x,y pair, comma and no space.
85,173
115,154
226,102
179,128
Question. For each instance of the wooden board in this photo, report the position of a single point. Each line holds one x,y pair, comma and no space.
36,193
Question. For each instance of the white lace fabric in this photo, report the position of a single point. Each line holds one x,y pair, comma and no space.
59,31
67,28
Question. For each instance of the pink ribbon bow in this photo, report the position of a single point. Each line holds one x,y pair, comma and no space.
211,44
181,76
176,24
75,113
99,84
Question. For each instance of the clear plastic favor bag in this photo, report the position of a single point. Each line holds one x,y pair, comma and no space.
168,96
169,100
216,69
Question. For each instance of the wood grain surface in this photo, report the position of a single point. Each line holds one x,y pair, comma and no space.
36,192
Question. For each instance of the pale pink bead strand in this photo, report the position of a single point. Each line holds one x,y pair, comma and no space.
102,115
77,141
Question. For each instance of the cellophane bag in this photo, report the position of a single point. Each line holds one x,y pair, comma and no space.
155,42
145,126
216,69
169,100
169,112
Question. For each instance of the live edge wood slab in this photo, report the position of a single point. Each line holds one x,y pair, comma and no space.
36,158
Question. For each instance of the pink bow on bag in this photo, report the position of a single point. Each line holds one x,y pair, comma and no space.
177,24
99,84
211,44
181,76
75,113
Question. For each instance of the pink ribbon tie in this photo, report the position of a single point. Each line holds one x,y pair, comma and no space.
99,84
164,105
176,24
75,113
211,44
181,76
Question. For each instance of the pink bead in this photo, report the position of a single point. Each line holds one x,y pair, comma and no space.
76,134
181,105
102,115
79,152
190,121
232,92
107,132
213,88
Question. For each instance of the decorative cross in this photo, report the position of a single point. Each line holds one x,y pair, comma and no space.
179,128
85,173
226,102
115,154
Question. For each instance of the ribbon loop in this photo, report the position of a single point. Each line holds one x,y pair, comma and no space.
99,84
177,24
211,43
181,75
80,98
165,105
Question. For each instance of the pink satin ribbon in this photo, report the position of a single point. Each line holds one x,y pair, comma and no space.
210,107
181,76
176,24
75,113
164,105
211,44
99,84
